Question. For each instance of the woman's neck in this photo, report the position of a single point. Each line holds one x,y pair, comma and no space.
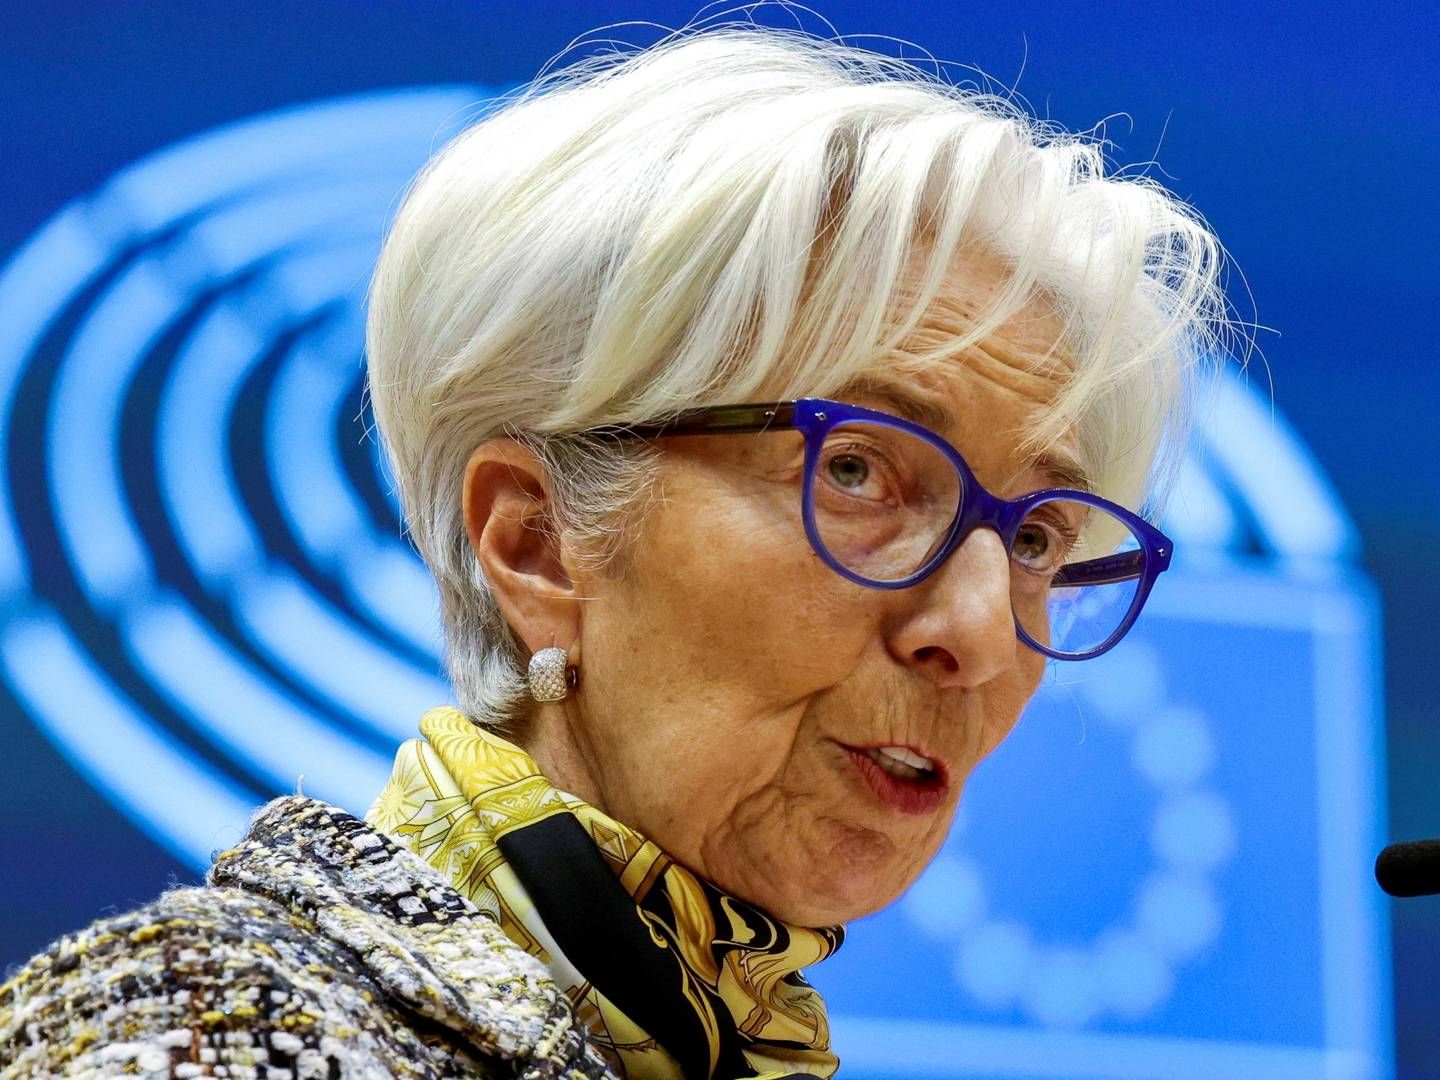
550,739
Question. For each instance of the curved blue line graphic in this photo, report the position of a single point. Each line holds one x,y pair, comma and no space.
188,570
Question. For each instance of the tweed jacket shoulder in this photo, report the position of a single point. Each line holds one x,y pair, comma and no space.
320,948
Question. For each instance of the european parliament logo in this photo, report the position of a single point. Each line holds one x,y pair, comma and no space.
1163,872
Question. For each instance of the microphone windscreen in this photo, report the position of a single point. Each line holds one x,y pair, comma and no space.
1410,869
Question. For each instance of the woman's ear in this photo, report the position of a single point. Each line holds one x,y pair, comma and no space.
509,520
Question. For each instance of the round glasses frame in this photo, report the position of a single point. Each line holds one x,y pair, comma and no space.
815,418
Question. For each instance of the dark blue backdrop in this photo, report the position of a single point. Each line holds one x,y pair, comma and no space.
1308,139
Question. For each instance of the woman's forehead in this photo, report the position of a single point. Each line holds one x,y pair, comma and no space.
1030,337
1022,362
973,280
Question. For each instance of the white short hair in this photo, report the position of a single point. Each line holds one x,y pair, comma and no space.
732,210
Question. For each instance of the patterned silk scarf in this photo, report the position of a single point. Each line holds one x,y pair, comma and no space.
673,977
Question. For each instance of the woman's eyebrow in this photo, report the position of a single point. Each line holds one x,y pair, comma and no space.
1060,468
903,402
1064,470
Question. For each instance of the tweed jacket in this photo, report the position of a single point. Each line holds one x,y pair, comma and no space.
318,948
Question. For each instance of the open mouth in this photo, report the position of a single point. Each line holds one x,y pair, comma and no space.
901,763
900,778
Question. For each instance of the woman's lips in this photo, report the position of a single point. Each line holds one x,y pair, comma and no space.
922,795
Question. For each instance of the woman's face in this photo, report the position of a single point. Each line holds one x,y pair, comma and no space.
733,685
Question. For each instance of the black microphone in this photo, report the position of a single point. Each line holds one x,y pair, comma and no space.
1410,869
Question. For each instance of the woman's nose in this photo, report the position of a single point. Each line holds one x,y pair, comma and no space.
960,629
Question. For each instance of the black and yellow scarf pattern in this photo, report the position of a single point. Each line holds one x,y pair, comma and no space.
673,977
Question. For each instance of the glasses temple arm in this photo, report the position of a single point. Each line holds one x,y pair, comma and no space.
1108,570
710,420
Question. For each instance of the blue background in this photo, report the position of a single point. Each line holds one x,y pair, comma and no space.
1308,139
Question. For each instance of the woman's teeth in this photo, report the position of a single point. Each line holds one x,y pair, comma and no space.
901,763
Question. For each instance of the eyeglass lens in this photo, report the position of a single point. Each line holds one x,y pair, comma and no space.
884,500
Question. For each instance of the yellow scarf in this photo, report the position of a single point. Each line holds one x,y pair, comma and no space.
673,977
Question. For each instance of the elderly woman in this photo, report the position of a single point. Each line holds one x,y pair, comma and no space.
769,415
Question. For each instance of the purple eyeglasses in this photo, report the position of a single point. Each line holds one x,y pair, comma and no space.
886,501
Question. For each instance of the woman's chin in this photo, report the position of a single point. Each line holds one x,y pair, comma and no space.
833,900
858,879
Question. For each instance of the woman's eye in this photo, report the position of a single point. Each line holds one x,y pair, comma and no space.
1039,547
1031,543
850,471
864,475
861,474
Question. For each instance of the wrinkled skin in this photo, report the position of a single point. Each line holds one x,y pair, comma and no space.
724,672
